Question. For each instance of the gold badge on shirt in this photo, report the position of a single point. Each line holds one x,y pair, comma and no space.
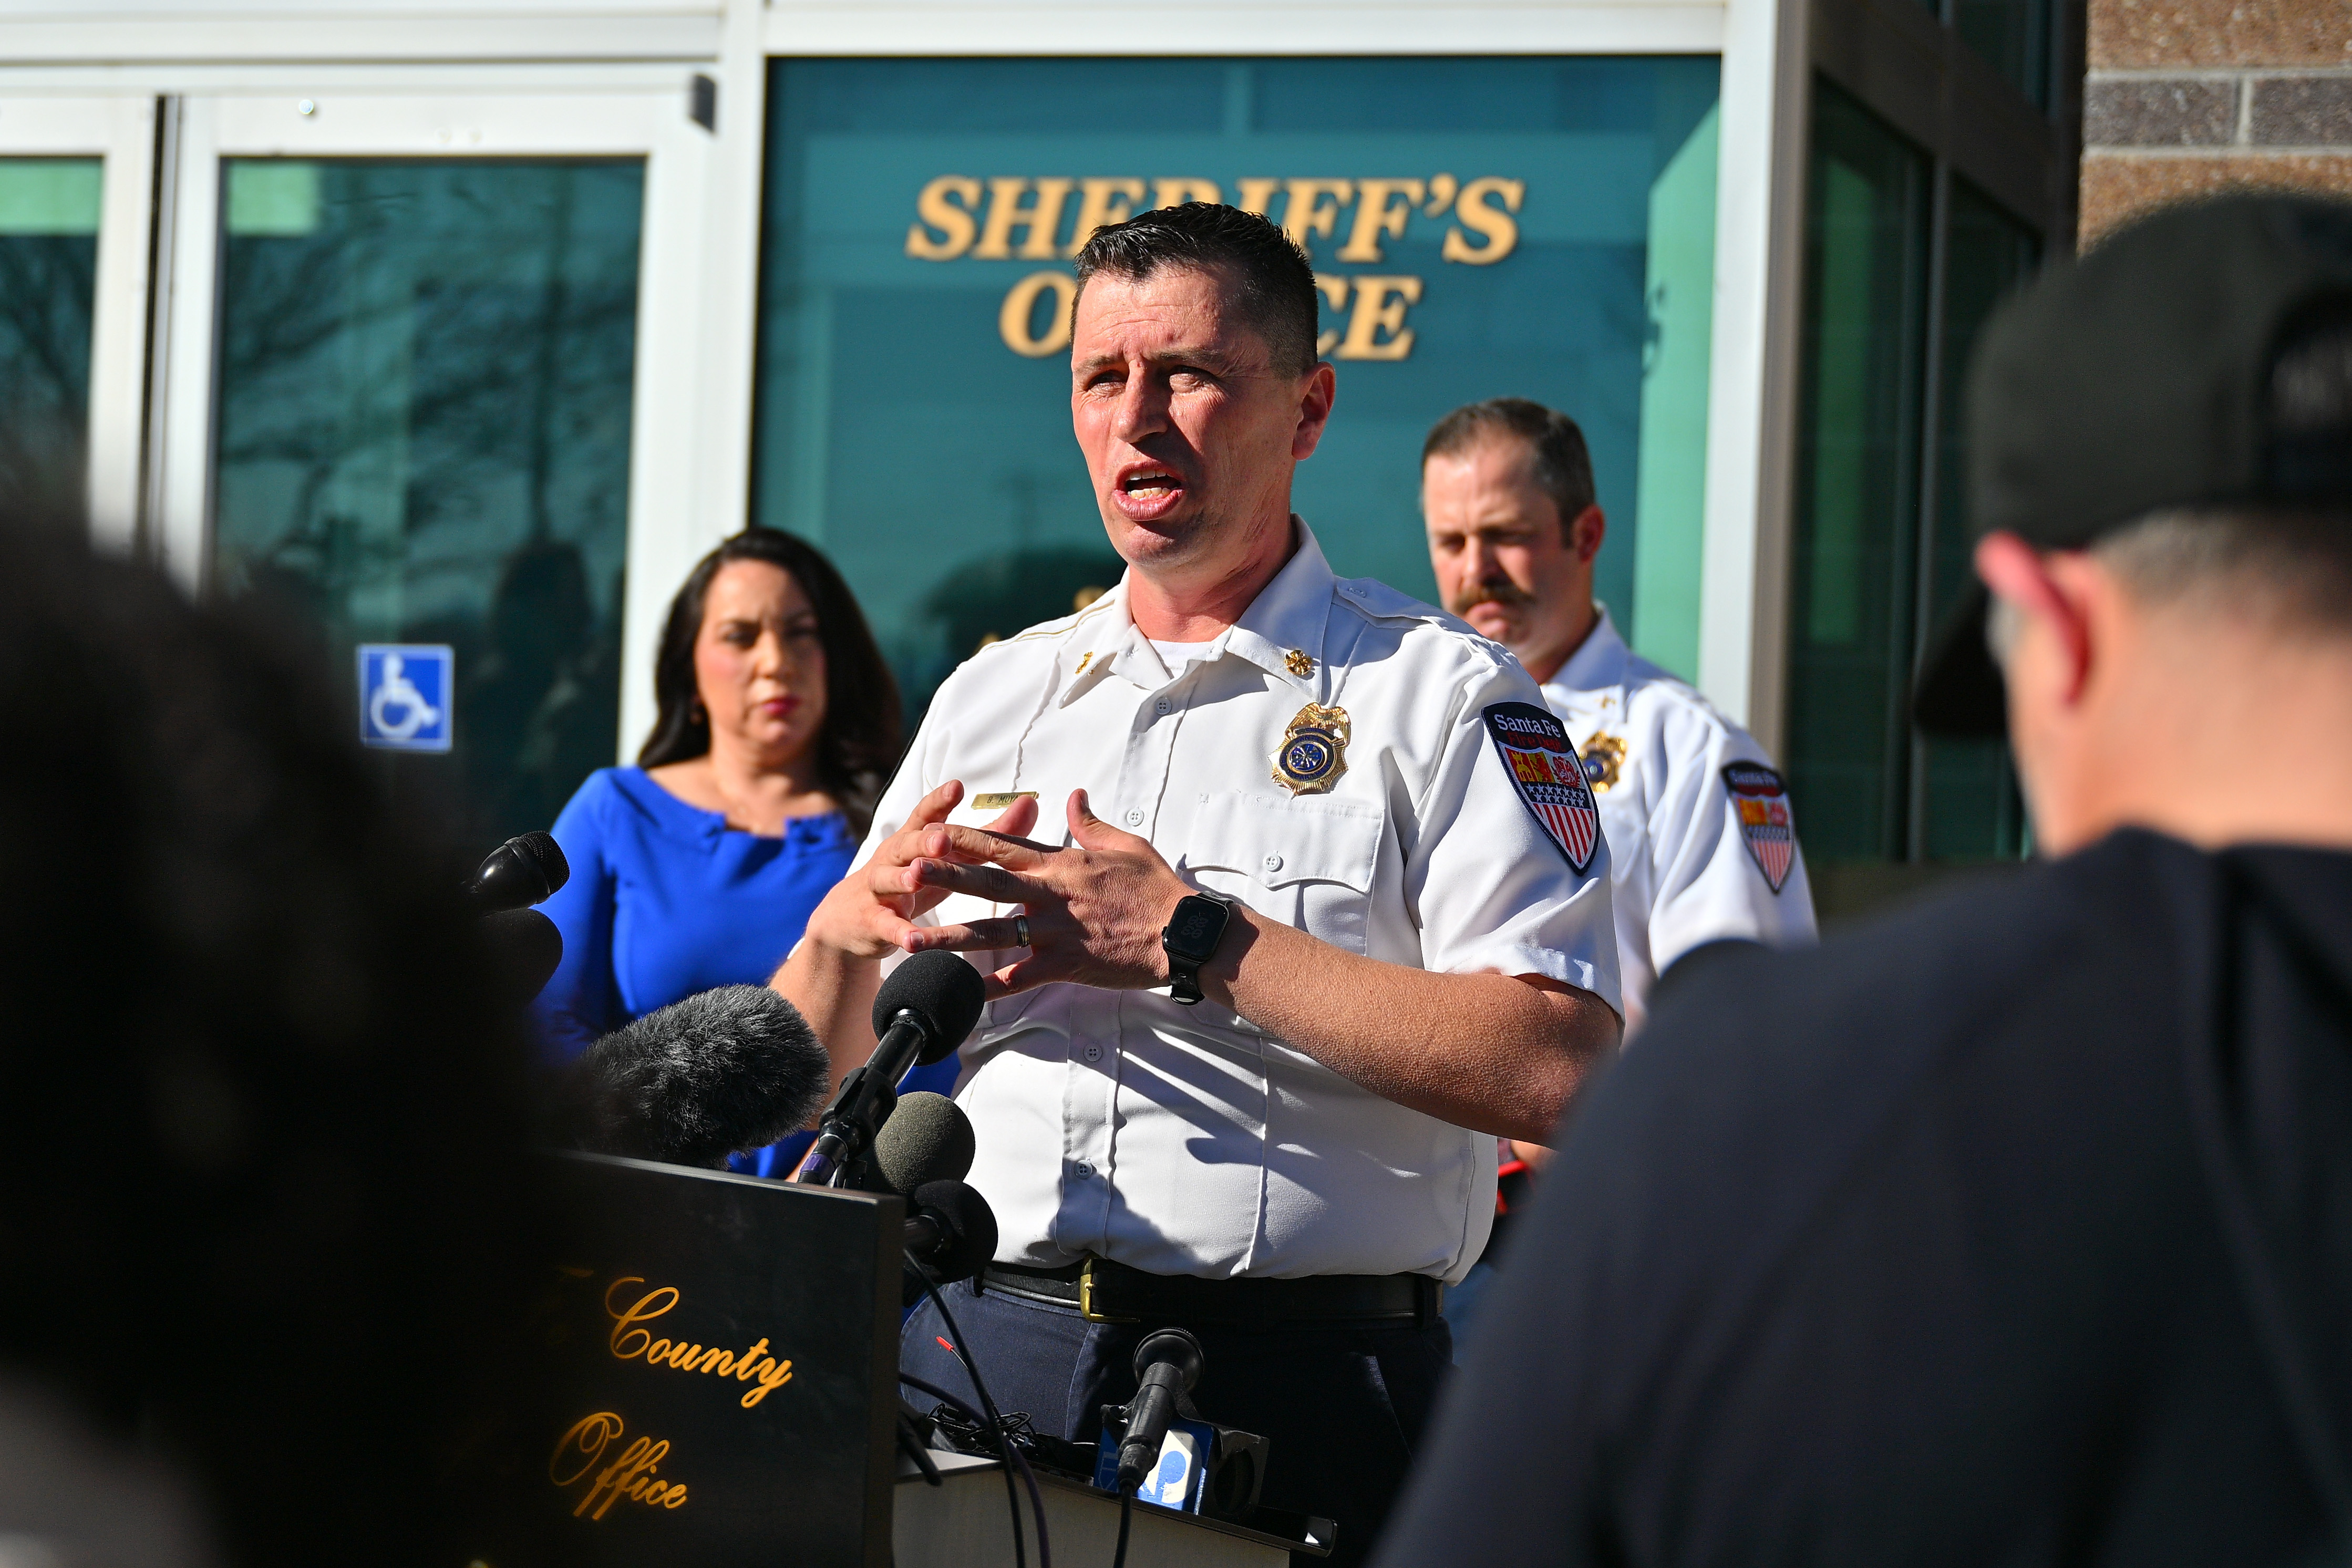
1603,755
1314,750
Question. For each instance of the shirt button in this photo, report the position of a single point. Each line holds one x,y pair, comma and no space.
1094,1053
1083,1171
1134,818
1163,706
1274,862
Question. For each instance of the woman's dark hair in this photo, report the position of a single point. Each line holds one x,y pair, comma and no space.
860,740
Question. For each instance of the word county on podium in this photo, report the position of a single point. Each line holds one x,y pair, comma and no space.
726,1377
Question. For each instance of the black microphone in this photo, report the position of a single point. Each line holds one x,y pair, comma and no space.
950,1230
922,1012
717,1074
525,947
928,1138
1167,1365
525,870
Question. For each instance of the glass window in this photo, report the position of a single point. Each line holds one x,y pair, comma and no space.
424,437
1536,227
48,262
1852,628
2013,37
1969,807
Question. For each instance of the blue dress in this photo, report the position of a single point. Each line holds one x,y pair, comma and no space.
665,899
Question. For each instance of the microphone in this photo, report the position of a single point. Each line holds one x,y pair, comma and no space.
717,1074
525,947
523,871
922,1012
928,1138
950,1230
1167,1365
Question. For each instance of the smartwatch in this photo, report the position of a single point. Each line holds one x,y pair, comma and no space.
1190,939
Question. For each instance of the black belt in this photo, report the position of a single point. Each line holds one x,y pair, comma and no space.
1107,1292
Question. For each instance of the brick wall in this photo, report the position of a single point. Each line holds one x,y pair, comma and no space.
2186,96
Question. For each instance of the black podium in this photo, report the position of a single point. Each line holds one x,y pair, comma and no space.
725,1366
722,1355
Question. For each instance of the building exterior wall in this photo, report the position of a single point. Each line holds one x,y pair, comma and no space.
2185,97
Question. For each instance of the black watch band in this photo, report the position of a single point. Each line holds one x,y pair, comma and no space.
1190,940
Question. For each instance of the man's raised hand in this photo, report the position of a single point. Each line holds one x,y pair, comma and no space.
872,911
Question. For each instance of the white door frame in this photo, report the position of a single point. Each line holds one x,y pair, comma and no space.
119,131
673,517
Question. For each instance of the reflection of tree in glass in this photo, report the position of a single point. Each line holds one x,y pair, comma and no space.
425,425
994,596
46,288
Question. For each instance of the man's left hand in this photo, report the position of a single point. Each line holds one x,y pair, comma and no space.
1094,909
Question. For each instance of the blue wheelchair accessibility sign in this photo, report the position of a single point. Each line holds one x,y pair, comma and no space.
405,695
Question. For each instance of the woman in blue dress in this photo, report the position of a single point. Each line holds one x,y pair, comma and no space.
776,728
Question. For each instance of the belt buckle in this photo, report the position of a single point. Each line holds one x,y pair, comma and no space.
1087,1296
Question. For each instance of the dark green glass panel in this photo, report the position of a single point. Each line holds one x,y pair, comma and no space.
1857,513
2013,37
1970,806
49,260
899,429
423,436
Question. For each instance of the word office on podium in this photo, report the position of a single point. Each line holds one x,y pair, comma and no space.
726,1378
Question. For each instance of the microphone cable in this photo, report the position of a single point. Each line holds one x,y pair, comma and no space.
1126,1511
1013,1459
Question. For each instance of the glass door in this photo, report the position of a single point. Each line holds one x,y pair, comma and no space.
76,175
433,430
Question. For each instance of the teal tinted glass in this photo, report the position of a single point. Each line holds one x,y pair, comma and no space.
1969,807
424,437
2013,37
48,270
1853,584
1541,228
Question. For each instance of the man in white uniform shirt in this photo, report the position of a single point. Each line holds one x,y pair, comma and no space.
1279,1135
1702,844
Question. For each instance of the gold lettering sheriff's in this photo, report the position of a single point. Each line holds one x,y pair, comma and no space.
631,1341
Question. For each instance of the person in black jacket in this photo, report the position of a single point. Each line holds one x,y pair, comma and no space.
2016,1227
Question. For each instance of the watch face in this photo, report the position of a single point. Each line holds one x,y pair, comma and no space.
1193,929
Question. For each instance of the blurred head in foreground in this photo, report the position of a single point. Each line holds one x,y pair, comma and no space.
260,1129
2160,469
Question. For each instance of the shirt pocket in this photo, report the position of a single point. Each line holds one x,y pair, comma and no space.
1307,862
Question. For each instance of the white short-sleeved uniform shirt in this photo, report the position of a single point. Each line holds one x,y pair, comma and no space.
1686,867
1186,1140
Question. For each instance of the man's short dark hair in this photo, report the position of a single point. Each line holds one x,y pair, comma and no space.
1563,468
1271,281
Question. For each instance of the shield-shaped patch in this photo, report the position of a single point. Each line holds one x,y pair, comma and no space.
1542,765
1760,799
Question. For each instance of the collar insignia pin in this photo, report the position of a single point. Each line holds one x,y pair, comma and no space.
1603,756
1314,750
1299,662
1084,659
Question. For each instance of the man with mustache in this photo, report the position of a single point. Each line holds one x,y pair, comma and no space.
1328,913
1701,843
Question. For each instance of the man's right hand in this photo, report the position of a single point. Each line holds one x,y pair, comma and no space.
872,911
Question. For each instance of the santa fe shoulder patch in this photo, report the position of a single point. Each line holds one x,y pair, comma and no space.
1760,800
1542,765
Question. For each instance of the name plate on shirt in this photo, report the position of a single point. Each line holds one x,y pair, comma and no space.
725,1358
997,800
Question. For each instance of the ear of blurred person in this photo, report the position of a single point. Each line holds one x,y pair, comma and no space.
262,1116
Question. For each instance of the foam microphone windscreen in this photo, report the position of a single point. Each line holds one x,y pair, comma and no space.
970,1224
940,988
525,947
717,1074
928,1138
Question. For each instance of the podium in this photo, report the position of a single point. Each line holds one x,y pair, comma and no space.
723,1358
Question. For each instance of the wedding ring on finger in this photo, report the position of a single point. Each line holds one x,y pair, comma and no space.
1020,931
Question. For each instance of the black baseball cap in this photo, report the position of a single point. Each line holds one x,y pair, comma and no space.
2165,368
